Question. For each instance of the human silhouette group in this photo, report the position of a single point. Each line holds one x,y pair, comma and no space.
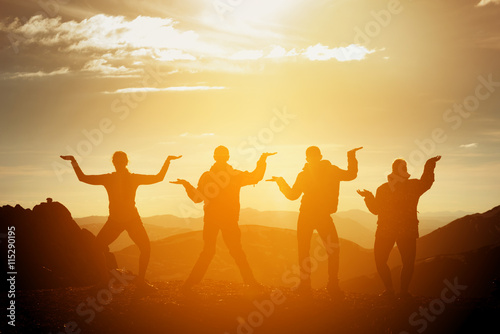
395,203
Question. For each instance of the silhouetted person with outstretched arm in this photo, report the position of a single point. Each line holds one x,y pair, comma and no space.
395,203
319,182
219,189
121,186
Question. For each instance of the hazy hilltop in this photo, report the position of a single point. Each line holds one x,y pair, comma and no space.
56,268
155,232
463,234
271,246
354,225
272,253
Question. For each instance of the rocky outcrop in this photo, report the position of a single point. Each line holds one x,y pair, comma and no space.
51,249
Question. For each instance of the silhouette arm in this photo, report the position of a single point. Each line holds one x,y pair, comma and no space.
258,173
372,203
292,193
352,167
427,178
151,179
89,179
193,193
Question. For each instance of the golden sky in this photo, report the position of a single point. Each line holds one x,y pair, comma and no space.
409,79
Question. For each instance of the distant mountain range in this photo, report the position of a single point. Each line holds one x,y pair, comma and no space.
272,252
155,232
53,250
355,225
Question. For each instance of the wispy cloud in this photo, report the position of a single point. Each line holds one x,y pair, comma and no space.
486,2
33,75
471,145
316,52
101,66
103,32
113,46
165,89
323,52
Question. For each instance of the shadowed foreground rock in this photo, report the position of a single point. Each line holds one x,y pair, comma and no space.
51,249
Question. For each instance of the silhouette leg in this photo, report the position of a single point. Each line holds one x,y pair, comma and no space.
232,238
328,233
407,249
108,233
304,234
140,237
210,231
382,249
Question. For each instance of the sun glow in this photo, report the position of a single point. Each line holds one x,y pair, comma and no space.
259,10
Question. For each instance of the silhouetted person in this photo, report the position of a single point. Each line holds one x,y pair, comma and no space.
121,186
219,189
395,203
319,181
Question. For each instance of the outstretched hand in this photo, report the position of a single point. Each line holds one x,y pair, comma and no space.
354,150
435,159
180,181
173,157
265,155
364,193
68,158
275,179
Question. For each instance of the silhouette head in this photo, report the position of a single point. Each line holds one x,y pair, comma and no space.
221,154
399,167
313,154
120,160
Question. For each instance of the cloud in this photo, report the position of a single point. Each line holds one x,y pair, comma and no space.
172,55
165,89
316,52
102,32
277,52
33,75
487,2
114,46
351,52
471,145
101,66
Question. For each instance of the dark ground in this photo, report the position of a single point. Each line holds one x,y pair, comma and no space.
222,307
